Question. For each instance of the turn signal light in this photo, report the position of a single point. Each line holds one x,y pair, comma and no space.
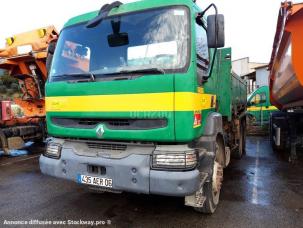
53,150
175,160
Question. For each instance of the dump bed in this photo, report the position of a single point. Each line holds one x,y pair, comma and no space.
229,88
286,69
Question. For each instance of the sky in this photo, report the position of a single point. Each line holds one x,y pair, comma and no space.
250,24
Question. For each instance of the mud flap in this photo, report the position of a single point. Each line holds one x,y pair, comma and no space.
198,198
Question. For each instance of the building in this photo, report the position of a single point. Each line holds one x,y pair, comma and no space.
256,74
262,75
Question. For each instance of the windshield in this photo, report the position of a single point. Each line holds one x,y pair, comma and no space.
155,39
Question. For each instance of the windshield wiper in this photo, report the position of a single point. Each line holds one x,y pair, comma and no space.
75,77
139,71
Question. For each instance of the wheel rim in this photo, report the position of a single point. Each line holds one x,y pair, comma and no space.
217,177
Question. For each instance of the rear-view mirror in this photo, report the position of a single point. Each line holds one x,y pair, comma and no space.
215,31
117,39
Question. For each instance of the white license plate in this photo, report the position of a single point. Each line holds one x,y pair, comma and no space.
96,181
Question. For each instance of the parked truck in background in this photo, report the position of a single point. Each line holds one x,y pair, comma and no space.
140,99
24,58
286,80
259,107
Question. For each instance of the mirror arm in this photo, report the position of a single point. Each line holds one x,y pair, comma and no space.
201,14
205,78
199,18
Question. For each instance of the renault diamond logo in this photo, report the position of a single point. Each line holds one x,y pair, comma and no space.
100,131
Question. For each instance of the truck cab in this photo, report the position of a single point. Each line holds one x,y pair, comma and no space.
140,99
259,107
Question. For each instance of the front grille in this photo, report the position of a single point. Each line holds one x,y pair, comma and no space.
119,123
88,122
106,146
113,124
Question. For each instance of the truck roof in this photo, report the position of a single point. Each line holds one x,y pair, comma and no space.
129,7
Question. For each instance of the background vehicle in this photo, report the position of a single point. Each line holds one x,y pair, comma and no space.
259,107
286,80
24,57
141,100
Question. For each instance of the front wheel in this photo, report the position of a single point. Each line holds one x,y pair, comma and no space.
212,188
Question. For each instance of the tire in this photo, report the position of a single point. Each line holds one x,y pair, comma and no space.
271,134
244,131
212,192
240,151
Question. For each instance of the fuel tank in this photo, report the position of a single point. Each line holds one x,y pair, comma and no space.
286,66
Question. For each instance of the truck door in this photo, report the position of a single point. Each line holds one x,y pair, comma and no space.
267,107
257,107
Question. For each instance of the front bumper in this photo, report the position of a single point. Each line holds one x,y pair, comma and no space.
131,173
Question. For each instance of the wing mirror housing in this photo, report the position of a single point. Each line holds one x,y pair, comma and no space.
216,31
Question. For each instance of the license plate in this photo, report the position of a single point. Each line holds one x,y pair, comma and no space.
96,181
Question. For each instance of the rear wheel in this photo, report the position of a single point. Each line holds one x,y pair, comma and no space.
243,135
271,132
212,188
240,151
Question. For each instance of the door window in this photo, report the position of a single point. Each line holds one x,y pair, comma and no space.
202,49
258,99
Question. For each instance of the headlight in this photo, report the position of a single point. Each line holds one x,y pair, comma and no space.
175,160
53,150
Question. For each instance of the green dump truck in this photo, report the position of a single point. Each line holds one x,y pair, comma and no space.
140,99
259,107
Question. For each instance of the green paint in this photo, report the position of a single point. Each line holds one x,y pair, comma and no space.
230,89
164,84
260,111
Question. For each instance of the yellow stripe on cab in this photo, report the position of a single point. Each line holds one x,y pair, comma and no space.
151,102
